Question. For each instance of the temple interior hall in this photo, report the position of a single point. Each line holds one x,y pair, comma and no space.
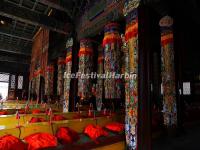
99,75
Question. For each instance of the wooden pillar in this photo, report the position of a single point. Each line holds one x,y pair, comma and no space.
60,82
131,103
68,70
74,81
85,67
168,73
179,50
49,80
112,48
144,79
99,87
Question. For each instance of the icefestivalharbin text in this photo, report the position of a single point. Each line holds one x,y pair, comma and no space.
94,75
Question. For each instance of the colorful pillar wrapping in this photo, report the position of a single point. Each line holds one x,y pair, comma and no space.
37,75
49,80
112,45
67,79
126,67
60,82
99,87
168,72
131,37
85,67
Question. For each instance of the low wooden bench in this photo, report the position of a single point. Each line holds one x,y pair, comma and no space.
76,124
5,130
32,128
10,120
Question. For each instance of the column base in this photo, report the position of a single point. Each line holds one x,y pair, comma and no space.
172,131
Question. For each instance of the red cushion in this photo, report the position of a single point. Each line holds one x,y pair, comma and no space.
67,135
95,131
115,126
9,142
40,140
3,112
34,120
21,111
36,111
58,118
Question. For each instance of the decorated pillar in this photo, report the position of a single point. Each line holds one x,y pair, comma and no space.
168,72
33,86
49,80
112,45
68,69
37,75
85,67
60,82
125,67
131,104
99,87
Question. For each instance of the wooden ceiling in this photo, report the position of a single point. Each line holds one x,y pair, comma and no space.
21,19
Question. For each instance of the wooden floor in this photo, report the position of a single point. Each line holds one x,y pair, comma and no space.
188,139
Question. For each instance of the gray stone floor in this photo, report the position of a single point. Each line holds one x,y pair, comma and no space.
187,140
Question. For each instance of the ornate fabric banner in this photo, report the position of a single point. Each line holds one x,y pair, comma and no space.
68,69
85,67
99,86
168,72
49,80
112,45
60,82
131,85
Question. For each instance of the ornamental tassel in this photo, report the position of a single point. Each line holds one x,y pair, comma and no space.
26,108
50,113
89,113
18,118
104,111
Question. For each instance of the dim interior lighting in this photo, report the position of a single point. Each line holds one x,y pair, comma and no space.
2,22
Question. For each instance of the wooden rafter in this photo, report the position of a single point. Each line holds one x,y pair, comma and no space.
30,17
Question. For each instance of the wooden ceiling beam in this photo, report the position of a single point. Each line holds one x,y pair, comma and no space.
15,35
10,67
56,6
15,49
14,59
30,17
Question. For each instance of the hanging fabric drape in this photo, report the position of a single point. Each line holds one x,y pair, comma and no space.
85,67
168,72
131,84
49,80
60,82
68,69
99,87
112,45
